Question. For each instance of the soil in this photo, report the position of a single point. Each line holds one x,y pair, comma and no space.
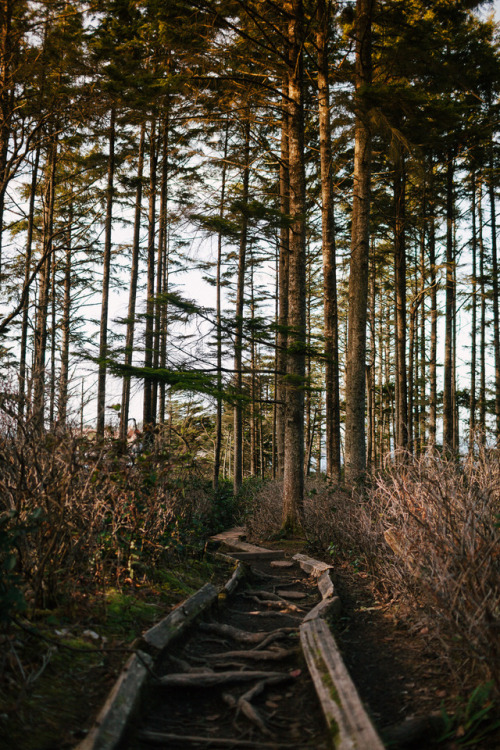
398,668
290,712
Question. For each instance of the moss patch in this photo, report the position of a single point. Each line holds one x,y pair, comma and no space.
54,680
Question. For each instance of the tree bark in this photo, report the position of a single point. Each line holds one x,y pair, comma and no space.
293,474
27,274
149,417
240,300
218,416
284,258
44,283
134,273
332,397
62,410
355,454
106,269
400,304
494,284
473,342
433,312
448,404
482,292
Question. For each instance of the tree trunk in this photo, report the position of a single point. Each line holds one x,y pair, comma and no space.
6,54
44,284
355,457
27,273
149,417
62,411
284,258
400,304
332,397
473,342
106,269
218,416
482,292
293,474
433,311
496,312
161,307
238,334
448,405
134,273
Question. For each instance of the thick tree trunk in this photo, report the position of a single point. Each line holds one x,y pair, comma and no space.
238,334
284,257
355,457
332,398
106,269
293,474
134,273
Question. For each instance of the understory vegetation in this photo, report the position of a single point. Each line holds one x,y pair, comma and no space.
427,530
96,543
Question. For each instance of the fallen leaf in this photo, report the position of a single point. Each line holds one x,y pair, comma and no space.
441,693
214,717
296,673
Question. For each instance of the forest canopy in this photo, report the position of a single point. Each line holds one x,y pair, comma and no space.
275,220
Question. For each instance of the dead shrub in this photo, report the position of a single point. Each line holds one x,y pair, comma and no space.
440,520
326,507
74,511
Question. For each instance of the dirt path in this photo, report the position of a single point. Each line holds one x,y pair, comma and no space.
278,708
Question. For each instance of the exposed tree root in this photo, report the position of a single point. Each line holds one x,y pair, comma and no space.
164,738
203,679
270,655
261,638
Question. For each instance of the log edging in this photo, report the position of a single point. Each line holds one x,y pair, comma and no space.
121,706
126,696
350,726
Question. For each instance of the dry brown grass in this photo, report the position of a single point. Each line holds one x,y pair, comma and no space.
428,530
77,512
440,520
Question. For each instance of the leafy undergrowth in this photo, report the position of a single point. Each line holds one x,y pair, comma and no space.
58,666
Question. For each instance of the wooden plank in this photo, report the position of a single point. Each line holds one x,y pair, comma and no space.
238,575
246,551
121,706
239,532
325,585
327,609
310,565
350,726
161,634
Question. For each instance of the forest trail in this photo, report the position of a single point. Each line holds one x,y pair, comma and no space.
257,668
202,702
